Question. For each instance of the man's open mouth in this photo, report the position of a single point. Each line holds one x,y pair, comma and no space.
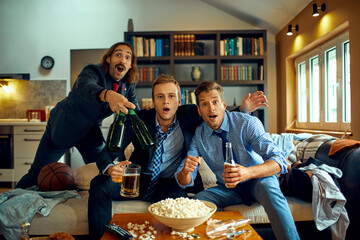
166,109
120,68
212,116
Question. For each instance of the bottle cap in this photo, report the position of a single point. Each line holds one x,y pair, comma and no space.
25,224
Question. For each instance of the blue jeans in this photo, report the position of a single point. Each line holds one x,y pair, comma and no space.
48,152
267,192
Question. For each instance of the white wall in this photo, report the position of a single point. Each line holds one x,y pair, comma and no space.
32,29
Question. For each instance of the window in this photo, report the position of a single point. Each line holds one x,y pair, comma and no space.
323,86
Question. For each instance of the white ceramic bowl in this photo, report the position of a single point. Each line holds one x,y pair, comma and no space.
185,224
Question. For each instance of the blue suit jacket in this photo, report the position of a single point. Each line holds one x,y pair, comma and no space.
81,113
188,118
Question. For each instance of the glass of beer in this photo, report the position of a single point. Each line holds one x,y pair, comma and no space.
131,181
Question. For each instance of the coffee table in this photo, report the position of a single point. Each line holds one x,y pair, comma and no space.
164,232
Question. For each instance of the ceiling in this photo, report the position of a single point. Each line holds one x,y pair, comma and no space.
272,15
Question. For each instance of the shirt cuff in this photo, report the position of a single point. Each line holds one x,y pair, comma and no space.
193,176
107,167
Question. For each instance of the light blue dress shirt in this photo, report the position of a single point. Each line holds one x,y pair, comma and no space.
251,145
171,157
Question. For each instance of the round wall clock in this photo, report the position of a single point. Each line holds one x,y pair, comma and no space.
47,62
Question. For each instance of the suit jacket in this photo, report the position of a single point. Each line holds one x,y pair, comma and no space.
188,118
81,113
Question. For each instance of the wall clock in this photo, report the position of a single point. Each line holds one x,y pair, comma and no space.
47,62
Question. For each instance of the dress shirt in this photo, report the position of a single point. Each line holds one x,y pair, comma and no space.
251,145
171,158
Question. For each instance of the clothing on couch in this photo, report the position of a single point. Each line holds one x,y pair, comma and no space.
20,205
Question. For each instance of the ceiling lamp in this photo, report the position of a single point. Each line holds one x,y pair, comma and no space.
290,28
316,8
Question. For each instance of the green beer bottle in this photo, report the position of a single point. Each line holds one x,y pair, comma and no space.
140,130
116,133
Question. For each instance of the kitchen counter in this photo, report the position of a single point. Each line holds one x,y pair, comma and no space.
20,122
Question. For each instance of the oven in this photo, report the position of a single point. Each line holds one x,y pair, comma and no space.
6,148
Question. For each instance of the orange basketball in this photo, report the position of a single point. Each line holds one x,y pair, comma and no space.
56,177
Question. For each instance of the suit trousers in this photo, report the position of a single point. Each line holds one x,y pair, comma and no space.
48,152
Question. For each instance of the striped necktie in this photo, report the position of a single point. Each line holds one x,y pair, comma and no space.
157,160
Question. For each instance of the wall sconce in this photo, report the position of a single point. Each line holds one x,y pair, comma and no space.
4,85
316,8
290,28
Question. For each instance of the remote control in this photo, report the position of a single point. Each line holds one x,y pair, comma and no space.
118,231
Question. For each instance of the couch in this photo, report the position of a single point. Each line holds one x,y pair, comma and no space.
71,216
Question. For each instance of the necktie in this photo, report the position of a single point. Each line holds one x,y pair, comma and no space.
115,87
222,135
159,150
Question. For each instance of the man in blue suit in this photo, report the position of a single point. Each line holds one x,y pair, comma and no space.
98,91
179,123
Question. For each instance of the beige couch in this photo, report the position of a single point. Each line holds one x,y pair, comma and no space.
71,216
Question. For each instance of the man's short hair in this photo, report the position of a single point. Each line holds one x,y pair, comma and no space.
163,78
207,87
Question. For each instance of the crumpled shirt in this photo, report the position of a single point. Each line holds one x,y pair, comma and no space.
20,205
328,205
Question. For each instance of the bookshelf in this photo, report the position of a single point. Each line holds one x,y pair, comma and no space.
236,59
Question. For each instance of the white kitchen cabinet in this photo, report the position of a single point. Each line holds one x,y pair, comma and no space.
6,175
26,142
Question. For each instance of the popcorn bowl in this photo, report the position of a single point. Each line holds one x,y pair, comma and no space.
184,224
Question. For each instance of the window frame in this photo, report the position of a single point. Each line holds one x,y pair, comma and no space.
319,52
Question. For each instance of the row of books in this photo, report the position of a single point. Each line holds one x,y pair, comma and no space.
186,45
240,46
144,47
148,74
188,97
240,72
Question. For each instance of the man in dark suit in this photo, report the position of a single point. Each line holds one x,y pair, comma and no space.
167,117
98,91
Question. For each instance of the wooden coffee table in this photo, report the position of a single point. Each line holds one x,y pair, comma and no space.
164,232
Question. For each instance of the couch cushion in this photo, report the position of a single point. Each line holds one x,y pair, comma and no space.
84,175
69,216
301,211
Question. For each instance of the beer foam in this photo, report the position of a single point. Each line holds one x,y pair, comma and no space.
180,208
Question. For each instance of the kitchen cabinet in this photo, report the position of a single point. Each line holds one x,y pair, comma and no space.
26,142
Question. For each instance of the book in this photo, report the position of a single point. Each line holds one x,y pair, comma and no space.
139,47
166,47
261,45
222,47
239,44
152,47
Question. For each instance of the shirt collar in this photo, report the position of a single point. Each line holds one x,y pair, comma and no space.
224,126
158,127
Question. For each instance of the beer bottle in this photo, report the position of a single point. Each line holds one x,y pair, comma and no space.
116,133
229,159
24,232
140,130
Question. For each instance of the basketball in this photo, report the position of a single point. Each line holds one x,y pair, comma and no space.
56,177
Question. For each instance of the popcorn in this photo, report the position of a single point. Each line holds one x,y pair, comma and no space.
180,208
142,231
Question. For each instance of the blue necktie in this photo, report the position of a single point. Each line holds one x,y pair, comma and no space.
222,135
159,150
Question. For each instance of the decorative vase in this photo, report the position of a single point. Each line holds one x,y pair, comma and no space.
130,25
195,73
